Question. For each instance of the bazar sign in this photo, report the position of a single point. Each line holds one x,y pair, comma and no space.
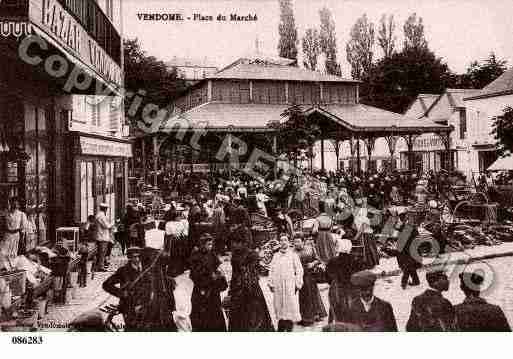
98,147
50,16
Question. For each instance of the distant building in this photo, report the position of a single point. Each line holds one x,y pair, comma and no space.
192,70
447,108
483,108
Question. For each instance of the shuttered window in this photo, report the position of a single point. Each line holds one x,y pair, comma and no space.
463,124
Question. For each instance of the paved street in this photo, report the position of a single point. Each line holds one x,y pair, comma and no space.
501,292
388,288
81,300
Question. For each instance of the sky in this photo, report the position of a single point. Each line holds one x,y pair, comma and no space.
459,31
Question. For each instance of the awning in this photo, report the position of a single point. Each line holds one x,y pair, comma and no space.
72,59
502,164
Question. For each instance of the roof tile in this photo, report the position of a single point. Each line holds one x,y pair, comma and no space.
244,71
246,116
502,84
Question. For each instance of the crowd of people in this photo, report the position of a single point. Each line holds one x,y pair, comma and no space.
340,249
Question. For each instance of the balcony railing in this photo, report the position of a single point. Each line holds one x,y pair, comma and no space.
89,14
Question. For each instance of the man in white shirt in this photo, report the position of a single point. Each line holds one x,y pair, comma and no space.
242,191
15,223
261,198
103,236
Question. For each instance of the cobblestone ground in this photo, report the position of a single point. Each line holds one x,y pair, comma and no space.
500,292
80,300
389,288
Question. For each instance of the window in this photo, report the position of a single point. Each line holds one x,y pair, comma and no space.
110,9
463,124
36,171
94,106
96,22
115,115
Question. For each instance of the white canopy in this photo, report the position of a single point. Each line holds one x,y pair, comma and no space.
502,164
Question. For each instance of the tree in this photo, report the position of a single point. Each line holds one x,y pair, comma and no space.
414,33
503,132
287,44
395,81
142,72
386,37
297,133
359,49
479,75
311,48
328,42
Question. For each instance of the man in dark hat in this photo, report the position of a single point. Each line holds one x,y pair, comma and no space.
118,285
240,225
475,314
367,311
194,220
407,262
241,215
430,311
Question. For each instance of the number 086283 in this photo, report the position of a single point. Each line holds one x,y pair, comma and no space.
26,340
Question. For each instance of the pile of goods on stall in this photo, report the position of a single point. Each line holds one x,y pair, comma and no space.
263,232
466,236
501,232
17,276
267,251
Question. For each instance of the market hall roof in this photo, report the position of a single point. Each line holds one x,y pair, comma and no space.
227,116
259,71
256,117
364,118
502,85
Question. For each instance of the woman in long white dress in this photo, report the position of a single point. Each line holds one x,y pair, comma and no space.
285,281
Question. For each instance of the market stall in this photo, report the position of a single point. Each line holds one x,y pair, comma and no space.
30,283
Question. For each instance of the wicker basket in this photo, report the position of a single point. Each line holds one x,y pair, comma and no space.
262,236
16,280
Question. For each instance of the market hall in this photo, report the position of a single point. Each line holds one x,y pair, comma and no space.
240,104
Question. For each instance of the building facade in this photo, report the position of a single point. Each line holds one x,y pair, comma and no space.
450,109
61,145
483,108
192,70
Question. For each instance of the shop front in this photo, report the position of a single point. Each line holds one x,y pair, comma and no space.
429,154
30,155
100,175
486,155
434,160
41,69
